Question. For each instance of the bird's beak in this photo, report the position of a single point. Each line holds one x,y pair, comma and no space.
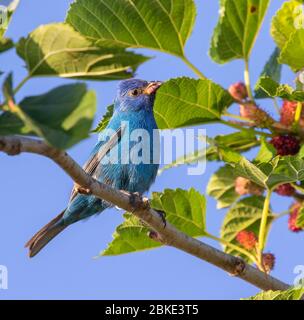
152,87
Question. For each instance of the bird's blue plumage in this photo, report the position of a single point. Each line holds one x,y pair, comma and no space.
133,110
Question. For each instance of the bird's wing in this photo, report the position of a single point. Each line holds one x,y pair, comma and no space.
91,165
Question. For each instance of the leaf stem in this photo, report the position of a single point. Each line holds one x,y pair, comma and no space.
263,225
235,116
247,80
276,105
232,246
194,68
21,84
298,116
239,127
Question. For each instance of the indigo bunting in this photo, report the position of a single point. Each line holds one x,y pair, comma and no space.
133,109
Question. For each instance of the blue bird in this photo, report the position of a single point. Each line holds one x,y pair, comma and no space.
110,161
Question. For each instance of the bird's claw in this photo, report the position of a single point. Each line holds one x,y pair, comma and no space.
162,215
133,199
82,190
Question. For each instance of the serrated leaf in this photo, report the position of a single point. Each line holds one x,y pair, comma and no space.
11,6
289,169
284,22
7,87
292,52
221,186
295,293
105,119
248,170
163,25
244,215
10,124
184,102
58,50
62,116
184,209
274,89
237,29
6,44
300,218
272,70
279,170
266,153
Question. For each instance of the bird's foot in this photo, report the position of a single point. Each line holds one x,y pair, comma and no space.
82,190
134,197
162,215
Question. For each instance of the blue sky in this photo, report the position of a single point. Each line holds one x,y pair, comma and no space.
33,190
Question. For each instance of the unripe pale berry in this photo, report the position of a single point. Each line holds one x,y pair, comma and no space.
254,113
245,186
238,91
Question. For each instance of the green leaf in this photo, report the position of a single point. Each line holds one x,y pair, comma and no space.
11,124
11,7
58,50
244,215
279,170
184,102
273,89
7,87
184,209
6,44
284,22
105,119
221,186
292,52
130,236
237,29
295,293
300,218
238,141
163,25
273,70
287,31
266,153
62,116
289,169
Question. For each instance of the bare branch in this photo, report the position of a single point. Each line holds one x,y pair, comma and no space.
13,145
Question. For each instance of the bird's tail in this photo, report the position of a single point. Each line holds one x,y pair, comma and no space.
45,235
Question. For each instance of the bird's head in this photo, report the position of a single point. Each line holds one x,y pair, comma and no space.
136,94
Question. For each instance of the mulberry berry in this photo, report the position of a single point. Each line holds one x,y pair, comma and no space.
288,112
247,239
238,91
252,112
245,186
286,145
293,216
268,260
286,190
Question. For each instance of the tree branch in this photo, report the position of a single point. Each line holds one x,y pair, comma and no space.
14,145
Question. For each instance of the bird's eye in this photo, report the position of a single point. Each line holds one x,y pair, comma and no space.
135,92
